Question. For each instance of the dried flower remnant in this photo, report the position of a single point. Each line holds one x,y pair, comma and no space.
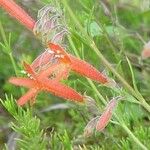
107,114
17,12
50,25
146,51
91,105
38,83
88,130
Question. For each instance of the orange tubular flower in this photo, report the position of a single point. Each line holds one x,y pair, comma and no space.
79,66
87,70
51,66
17,12
39,82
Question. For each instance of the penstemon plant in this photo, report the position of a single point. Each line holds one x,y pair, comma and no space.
50,68
54,51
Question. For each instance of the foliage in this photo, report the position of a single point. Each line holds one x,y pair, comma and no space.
119,35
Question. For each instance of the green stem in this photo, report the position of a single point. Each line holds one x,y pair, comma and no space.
136,140
109,41
13,63
73,47
104,60
15,68
120,120
130,89
97,92
8,50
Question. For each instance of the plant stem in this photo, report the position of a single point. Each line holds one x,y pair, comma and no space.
120,120
8,51
136,140
104,60
13,63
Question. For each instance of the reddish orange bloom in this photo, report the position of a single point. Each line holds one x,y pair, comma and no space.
57,60
39,82
17,12
87,70
51,66
57,53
